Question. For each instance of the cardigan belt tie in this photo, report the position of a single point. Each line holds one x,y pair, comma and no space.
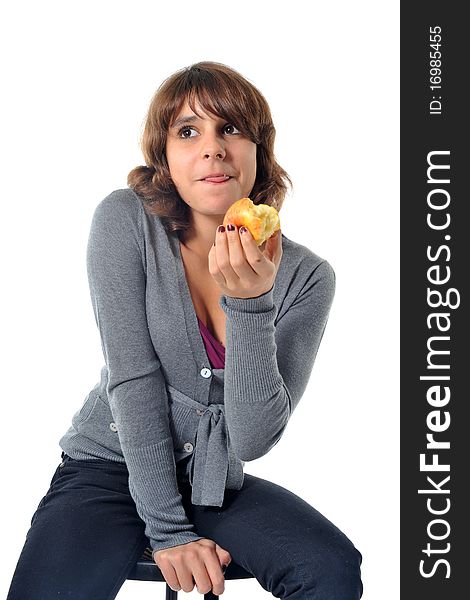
213,465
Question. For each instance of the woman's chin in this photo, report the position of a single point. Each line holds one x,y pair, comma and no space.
221,201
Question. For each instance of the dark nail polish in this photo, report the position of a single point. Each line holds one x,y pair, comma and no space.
220,228
230,227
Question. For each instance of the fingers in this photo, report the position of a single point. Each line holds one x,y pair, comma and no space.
214,573
231,258
238,256
240,267
200,569
273,248
193,563
223,555
253,253
168,572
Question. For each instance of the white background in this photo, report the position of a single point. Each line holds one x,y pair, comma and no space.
77,79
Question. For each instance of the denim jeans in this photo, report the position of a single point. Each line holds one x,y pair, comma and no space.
86,536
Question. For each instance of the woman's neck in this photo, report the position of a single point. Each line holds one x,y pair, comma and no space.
200,237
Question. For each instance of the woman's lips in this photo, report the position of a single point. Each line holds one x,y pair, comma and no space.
221,179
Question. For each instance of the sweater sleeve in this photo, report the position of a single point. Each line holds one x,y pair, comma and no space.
268,364
136,388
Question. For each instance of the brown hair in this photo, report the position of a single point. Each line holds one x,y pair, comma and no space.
222,91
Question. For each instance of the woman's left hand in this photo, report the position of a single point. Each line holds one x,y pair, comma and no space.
241,268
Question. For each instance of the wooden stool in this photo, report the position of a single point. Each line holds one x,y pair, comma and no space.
146,570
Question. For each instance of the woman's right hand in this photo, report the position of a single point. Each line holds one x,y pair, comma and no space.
198,562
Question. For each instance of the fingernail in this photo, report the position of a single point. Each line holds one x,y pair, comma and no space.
220,228
242,229
230,227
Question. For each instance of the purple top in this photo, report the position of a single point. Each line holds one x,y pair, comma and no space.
215,350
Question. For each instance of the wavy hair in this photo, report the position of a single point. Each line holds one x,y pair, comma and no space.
221,91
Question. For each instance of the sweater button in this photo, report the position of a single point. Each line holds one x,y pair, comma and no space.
199,412
205,372
188,447
113,427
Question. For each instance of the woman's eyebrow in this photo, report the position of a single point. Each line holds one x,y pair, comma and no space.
183,120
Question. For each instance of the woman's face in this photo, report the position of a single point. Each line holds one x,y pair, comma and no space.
198,147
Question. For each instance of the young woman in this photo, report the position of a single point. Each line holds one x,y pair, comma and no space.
209,342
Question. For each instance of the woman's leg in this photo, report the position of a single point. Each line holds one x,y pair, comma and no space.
85,535
293,551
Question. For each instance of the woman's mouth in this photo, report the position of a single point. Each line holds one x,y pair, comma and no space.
217,180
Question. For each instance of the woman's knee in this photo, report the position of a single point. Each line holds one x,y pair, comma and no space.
334,570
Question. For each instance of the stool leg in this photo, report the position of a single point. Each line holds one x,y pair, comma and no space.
210,596
170,594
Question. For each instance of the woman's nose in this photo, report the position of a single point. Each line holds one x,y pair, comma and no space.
213,147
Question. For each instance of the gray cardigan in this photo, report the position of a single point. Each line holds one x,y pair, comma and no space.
158,400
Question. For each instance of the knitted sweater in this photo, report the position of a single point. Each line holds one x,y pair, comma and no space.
158,400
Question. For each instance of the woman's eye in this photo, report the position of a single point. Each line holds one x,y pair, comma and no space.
231,129
190,132
184,131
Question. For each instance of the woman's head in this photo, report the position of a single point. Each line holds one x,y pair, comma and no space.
215,97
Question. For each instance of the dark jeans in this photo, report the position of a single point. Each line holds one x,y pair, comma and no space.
86,535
